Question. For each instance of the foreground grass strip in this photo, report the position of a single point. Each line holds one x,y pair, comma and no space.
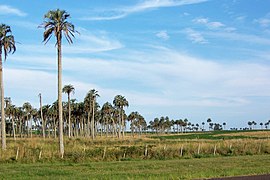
167,169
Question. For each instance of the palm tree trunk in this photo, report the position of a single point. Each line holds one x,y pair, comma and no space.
93,121
41,115
31,120
123,123
69,114
88,124
60,113
3,122
20,128
13,128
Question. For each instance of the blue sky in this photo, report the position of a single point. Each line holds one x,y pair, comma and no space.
190,59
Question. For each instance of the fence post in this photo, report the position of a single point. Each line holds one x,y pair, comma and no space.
17,153
181,150
215,148
146,151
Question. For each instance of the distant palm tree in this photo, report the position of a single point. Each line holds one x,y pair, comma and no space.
68,89
7,45
94,95
90,106
106,115
203,123
56,23
120,102
209,120
28,111
132,117
261,124
250,124
224,125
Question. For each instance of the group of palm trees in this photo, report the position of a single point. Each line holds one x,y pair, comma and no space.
252,124
165,125
80,119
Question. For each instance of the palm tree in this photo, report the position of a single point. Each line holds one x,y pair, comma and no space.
28,108
132,117
261,124
224,125
94,95
203,123
106,115
69,89
120,102
7,45
41,115
209,120
250,124
56,23
90,106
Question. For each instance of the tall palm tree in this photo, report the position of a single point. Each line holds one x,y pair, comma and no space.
56,23
132,117
28,111
106,115
224,125
7,45
209,120
68,89
94,94
120,102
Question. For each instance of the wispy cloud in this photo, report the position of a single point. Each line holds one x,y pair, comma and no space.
209,24
143,6
230,83
86,42
264,21
5,9
195,36
249,38
163,35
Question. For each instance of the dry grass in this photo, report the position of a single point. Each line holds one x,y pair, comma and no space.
259,134
113,149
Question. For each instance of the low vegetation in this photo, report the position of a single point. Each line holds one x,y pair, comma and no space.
144,147
151,169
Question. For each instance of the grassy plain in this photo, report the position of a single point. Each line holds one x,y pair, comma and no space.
151,156
142,169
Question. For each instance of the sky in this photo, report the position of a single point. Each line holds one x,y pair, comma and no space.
194,59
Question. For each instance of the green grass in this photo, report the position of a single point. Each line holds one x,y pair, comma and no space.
150,169
208,135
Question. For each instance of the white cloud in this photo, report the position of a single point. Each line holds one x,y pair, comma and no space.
195,36
85,42
201,20
209,24
143,6
163,35
215,25
240,18
4,9
164,71
163,81
264,22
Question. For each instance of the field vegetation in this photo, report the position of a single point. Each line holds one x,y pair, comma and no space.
143,147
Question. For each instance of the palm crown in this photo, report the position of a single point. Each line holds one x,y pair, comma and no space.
56,23
7,41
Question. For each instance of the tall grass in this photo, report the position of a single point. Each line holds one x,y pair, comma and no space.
85,150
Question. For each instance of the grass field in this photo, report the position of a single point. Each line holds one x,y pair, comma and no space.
143,169
168,156
218,135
